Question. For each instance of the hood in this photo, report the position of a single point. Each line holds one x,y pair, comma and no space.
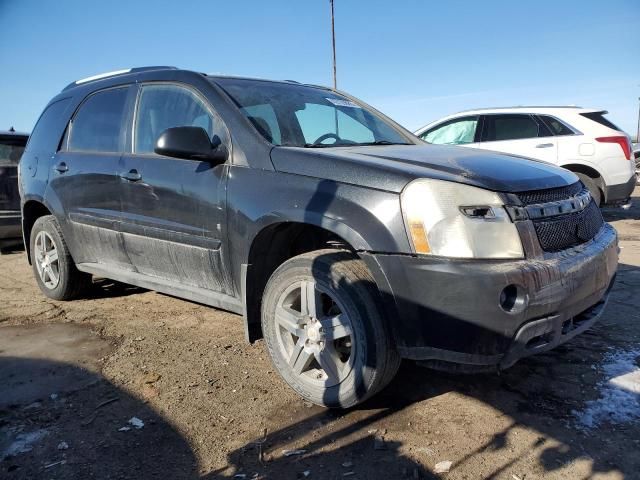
391,167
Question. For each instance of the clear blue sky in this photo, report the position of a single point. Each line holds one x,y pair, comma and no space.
414,60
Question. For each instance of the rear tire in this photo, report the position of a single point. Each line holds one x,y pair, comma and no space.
323,326
592,186
53,267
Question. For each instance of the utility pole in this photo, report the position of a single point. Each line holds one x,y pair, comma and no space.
638,131
333,42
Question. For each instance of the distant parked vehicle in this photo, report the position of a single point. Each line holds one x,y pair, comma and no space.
579,139
636,155
11,147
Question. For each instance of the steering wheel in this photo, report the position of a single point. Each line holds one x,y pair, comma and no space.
326,136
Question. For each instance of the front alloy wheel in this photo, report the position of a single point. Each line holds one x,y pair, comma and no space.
314,333
323,326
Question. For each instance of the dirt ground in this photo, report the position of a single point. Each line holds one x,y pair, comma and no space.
129,384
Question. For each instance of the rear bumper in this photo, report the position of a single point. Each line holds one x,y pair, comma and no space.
621,193
10,225
450,310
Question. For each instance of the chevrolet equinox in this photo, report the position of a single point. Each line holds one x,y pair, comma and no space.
343,240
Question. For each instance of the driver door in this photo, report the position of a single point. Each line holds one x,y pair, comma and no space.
173,209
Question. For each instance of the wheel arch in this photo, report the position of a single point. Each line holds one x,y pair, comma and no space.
589,172
273,245
32,209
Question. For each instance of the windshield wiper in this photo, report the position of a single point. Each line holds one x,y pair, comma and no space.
382,142
323,145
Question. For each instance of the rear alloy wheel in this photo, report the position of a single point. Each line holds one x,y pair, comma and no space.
322,323
55,271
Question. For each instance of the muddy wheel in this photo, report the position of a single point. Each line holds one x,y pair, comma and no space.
55,272
593,188
323,325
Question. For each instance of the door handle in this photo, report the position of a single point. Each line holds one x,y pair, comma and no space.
61,167
131,175
544,145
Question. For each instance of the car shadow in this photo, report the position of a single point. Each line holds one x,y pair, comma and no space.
107,288
75,425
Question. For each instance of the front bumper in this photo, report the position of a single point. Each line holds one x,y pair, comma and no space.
621,193
10,225
450,310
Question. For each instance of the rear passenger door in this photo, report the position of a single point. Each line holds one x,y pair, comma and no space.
518,134
173,209
84,177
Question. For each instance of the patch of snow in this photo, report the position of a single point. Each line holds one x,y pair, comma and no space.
136,422
23,443
619,400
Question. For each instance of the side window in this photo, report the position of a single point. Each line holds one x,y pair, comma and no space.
48,131
453,132
317,120
97,125
555,125
509,127
166,106
264,119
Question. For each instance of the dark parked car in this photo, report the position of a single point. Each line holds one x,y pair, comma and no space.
344,240
11,147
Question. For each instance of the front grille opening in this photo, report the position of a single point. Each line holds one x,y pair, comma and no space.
567,326
569,230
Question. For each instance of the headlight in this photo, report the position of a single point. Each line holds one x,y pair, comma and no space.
454,220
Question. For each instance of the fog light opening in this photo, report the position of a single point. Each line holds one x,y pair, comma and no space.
513,299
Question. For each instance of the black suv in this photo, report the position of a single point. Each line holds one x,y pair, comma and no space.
344,240
11,147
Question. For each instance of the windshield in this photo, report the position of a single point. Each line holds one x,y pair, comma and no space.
11,148
301,116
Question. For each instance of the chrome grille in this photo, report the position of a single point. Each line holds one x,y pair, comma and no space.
562,217
550,194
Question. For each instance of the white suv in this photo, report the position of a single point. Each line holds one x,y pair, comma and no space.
579,139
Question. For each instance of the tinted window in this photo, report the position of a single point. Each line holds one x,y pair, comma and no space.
96,126
321,120
509,127
11,148
555,125
166,106
305,114
264,119
598,117
453,132
50,127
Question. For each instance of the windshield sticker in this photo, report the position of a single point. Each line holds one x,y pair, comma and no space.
339,102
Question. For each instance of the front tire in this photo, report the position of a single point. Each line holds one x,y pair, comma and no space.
323,325
53,267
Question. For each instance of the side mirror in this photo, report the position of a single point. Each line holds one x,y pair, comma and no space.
190,143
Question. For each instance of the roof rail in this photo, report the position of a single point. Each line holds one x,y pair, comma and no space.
115,73
521,106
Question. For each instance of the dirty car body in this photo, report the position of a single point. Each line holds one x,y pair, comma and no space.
457,281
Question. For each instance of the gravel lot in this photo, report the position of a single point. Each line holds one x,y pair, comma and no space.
73,375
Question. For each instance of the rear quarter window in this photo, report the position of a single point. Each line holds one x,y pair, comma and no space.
599,117
49,128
